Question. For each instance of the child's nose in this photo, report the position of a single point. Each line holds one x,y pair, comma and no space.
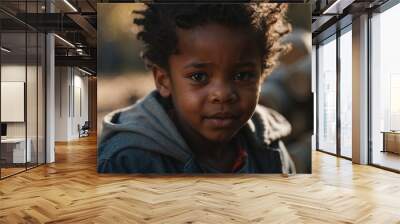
223,93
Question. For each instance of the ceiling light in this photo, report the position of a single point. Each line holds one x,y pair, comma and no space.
84,71
64,40
337,7
70,5
5,49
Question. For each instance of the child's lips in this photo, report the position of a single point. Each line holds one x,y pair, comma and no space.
222,120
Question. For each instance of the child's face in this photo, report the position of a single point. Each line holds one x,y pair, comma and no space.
214,80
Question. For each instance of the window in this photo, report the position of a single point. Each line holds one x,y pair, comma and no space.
385,88
327,95
346,92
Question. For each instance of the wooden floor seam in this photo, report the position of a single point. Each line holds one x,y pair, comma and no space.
71,191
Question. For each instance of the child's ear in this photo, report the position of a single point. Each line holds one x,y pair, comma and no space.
162,81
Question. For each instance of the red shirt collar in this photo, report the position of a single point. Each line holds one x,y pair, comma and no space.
240,159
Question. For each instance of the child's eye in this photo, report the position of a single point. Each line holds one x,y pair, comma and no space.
243,76
198,77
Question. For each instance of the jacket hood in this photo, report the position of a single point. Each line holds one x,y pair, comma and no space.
147,126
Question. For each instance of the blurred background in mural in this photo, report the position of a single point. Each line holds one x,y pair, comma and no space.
123,78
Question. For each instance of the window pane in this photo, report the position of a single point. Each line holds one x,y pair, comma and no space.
14,153
31,97
327,96
385,89
346,94
41,98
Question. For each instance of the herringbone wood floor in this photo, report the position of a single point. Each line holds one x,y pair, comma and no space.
70,191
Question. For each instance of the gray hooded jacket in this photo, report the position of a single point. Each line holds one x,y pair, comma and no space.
143,139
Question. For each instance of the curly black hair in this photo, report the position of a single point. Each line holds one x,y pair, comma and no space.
158,23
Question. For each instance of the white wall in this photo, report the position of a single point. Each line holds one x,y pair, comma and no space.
62,81
71,93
